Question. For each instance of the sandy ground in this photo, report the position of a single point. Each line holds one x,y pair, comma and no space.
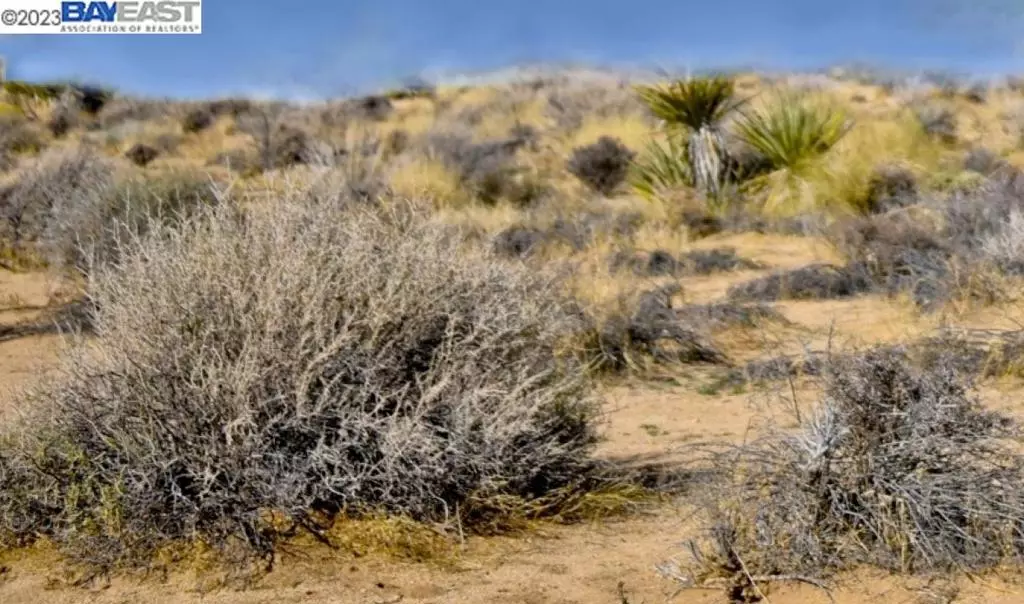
562,565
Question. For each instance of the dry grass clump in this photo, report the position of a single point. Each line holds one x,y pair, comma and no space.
254,373
898,467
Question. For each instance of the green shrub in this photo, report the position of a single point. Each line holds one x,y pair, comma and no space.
793,131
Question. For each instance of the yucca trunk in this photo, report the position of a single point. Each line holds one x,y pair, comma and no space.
706,155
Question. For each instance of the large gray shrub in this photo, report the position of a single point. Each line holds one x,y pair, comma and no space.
297,361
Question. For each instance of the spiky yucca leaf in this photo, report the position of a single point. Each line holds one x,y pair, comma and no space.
661,168
696,106
692,103
792,131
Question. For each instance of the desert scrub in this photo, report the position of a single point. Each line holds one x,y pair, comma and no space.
60,179
253,374
602,166
85,236
899,466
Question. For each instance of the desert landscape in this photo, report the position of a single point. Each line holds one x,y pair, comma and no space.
567,336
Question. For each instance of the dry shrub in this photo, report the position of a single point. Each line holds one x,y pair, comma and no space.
230,107
488,170
603,165
374,108
722,259
984,224
891,186
253,373
61,179
898,467
695,262
975,352
812,282
938,122
518,241
280,142
648,264
945,246
646,331
1005,247
84,231
900,252
717,315
983,161
244,161
197,120
89,98
17,135
572,100
63,118
142,154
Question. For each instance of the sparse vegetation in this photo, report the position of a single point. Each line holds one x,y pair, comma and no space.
382,323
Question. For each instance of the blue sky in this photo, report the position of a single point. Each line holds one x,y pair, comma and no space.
326,47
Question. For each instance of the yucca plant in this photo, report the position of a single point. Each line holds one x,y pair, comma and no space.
792,133
661,167
793,130
697,107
